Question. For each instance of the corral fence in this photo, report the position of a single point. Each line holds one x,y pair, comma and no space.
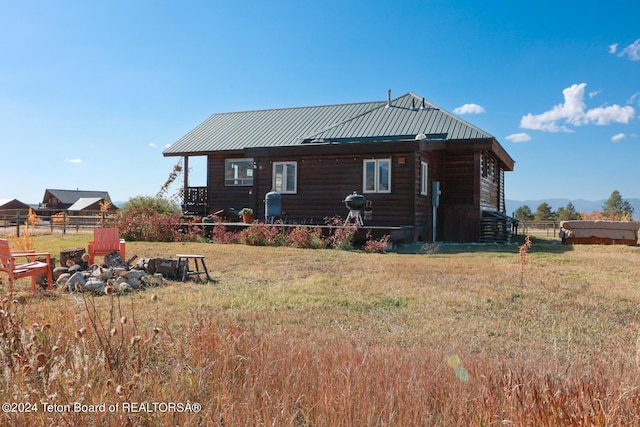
548,229
54,221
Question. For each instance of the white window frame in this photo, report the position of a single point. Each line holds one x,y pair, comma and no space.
281,187
376,179
424,178
236,181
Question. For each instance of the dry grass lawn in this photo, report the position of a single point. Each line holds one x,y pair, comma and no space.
294,337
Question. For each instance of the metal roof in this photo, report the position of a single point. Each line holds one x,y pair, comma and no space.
83,203
403,118
71,196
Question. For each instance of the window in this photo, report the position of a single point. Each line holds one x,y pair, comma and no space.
424,181
285,177
377,176
238,172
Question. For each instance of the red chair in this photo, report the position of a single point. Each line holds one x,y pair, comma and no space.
105,241
31,269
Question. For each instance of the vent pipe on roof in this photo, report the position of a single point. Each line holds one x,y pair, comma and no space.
388,98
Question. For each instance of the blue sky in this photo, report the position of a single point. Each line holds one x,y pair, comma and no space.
92,92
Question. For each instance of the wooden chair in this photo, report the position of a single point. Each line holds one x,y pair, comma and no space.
105,241
32,268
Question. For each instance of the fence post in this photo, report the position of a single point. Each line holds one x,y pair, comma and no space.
64,222
18,224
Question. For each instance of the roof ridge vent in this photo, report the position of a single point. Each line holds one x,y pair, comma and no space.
388,98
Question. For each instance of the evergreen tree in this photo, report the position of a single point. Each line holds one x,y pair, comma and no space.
523,213
616,208
567,213
544,213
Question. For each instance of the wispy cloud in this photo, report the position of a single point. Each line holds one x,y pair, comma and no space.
573,112
469,109
76,160
632,51
613,48
635,98
618,137
519,137
152,145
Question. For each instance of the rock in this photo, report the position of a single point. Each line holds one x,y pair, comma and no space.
76,282
75,268
135,274
58,271
62,279
124,287
95,285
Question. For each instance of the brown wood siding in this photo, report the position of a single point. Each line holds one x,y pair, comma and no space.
423,203
460,211
323,183
459,179
225,197
490,182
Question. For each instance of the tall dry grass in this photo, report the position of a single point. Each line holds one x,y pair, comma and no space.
330,338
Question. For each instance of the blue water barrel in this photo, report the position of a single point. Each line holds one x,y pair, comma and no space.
273,204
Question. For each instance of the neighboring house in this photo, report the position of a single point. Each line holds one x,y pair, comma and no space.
10,209
59,200
13,205
389,151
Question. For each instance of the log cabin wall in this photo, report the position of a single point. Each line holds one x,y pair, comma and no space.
324,181
460,197
222,196
490,182
423,218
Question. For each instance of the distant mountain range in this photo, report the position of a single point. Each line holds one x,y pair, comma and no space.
581,205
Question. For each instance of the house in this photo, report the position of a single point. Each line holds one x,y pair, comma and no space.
394,152
59,200
11,210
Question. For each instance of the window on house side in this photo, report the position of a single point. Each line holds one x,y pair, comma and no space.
377,176
238,172
285,177
424,181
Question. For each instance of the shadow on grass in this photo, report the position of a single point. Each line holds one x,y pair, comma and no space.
537,245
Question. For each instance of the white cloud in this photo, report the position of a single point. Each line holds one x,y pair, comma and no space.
469,109
618,137
594,93
76,161
632,51
152,145
610,114
167,145
613,48
519,137
573,112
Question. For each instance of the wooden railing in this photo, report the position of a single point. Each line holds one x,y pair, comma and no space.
62,222
196,201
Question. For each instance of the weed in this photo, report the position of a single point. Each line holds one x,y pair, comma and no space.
523,250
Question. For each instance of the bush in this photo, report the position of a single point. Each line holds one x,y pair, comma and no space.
152,204
153,219
306,238
377,246
261,234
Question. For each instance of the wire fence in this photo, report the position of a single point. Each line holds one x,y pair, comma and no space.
548,229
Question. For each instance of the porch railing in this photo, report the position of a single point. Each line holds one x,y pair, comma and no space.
196,201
